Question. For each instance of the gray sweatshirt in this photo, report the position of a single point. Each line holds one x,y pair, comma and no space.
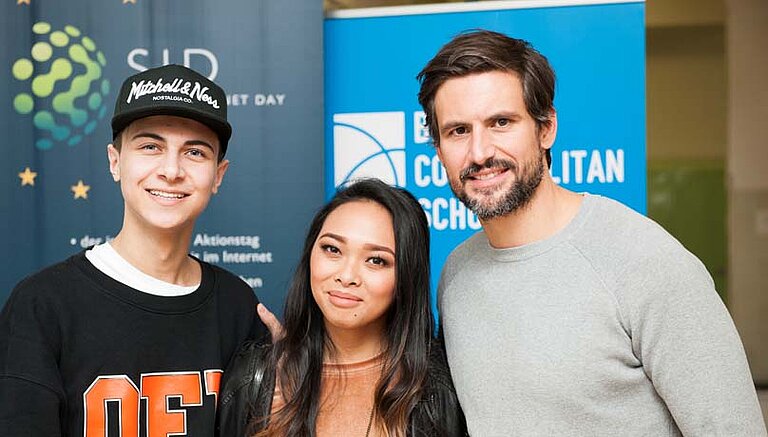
608,328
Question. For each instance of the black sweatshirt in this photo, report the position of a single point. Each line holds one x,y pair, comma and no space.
84,355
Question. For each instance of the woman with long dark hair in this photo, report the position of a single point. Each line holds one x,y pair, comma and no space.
357,357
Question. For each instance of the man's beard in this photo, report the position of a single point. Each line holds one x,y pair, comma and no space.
516,197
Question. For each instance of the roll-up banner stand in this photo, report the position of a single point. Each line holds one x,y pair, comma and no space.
374,125
61,64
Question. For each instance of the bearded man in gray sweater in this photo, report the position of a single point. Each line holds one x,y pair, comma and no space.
569,314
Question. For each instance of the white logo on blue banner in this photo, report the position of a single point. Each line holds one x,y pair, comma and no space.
370,144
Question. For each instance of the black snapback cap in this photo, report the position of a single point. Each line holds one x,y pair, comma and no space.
173,90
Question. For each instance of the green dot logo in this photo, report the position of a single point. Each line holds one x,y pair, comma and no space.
66,92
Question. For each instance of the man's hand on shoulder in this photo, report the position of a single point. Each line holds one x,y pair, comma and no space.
269,319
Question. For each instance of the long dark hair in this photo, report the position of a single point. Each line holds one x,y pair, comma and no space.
298,356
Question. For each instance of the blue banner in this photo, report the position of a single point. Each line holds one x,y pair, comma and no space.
374,124
61,63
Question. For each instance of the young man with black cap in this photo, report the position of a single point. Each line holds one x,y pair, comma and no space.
130,337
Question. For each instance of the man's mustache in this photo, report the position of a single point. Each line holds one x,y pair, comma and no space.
501,164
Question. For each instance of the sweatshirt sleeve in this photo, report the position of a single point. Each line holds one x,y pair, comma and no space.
28,408
30,386
689,347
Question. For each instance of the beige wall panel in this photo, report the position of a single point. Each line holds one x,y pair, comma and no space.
686,91
684,12
749,276
747,33
748,90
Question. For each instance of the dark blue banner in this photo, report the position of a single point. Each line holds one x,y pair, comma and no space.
61,63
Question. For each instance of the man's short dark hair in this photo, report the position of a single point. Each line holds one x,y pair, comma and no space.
482,51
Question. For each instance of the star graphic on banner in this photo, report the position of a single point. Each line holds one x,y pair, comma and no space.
27,177
80,190
18,2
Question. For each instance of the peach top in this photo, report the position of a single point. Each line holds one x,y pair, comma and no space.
346,398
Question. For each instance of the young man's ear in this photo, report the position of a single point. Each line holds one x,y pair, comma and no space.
113,155
221,168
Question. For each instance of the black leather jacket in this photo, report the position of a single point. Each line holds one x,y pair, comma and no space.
248,385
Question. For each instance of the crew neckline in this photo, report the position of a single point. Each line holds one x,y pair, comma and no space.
105,258
146,301
526,251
